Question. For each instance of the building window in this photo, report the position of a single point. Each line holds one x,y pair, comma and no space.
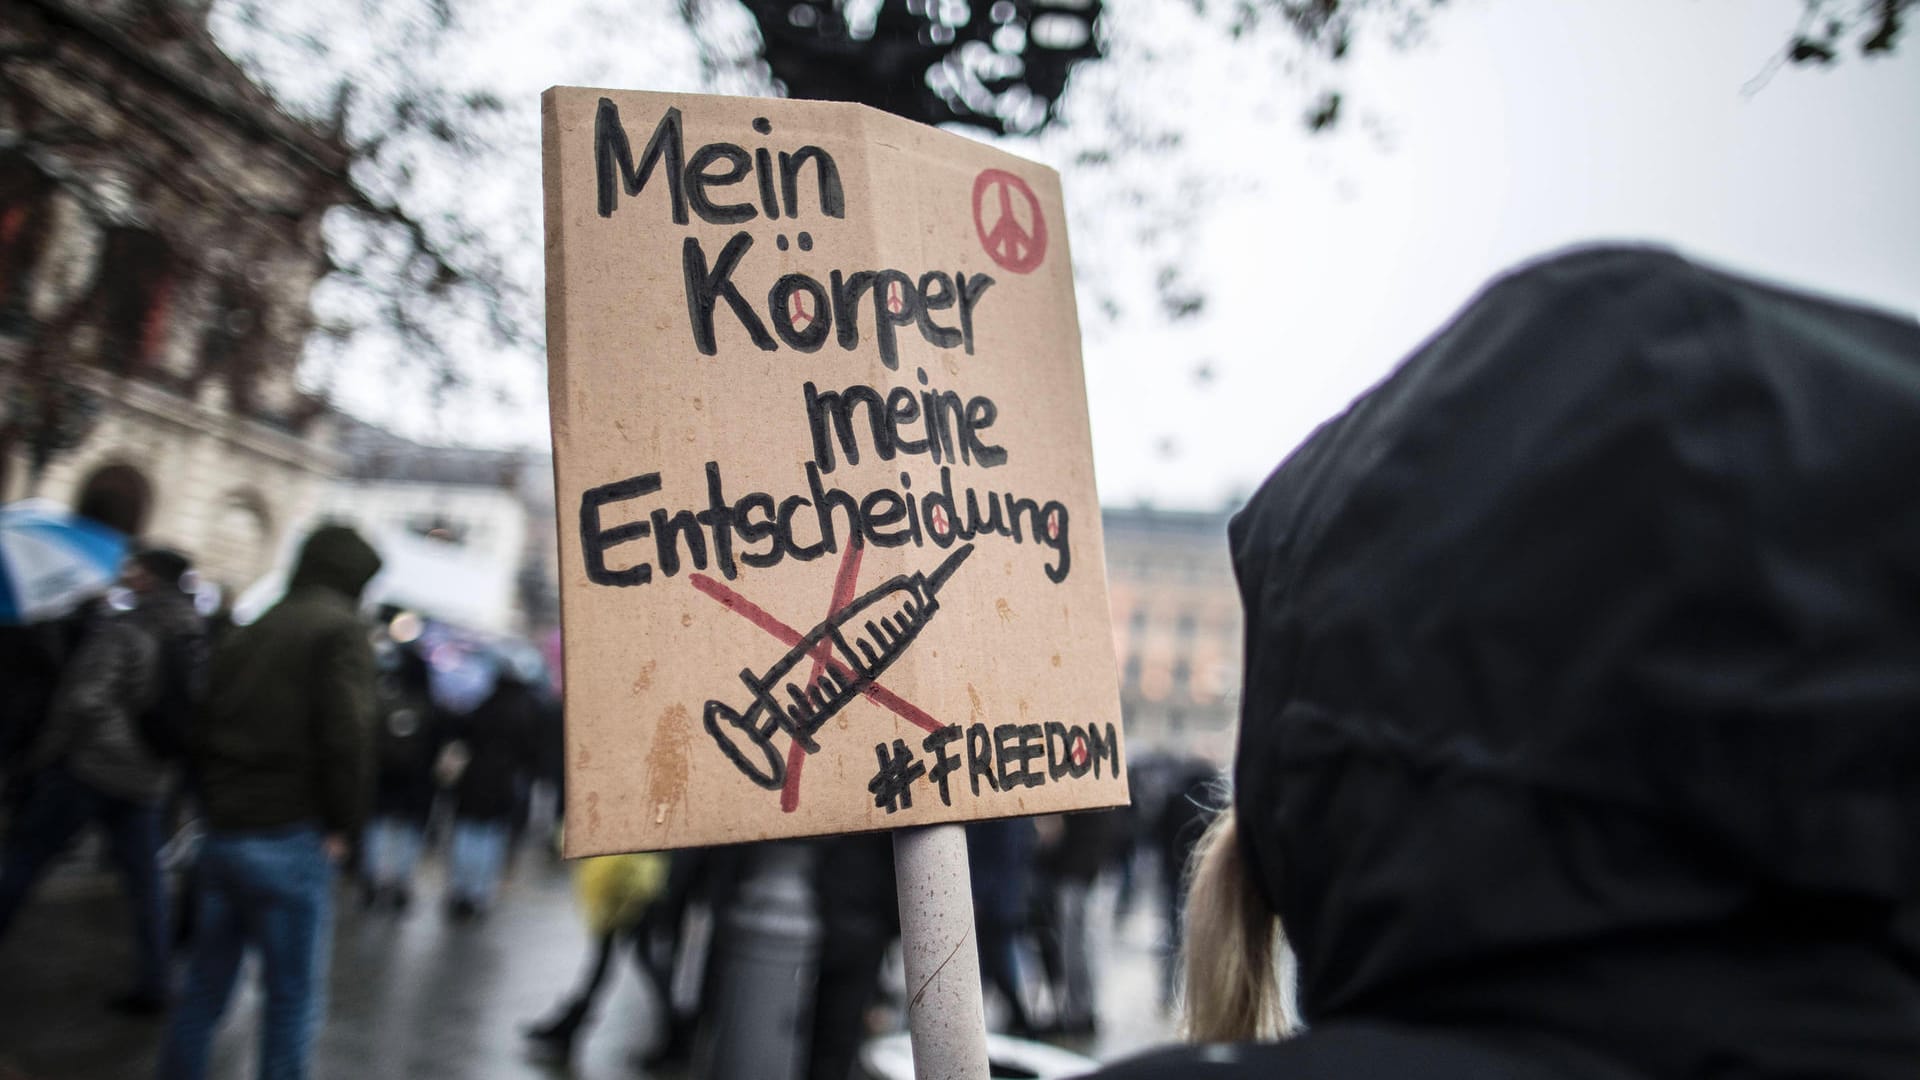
231,348
23,226
1182,678
135,299
1183,629
1130,679
1137,619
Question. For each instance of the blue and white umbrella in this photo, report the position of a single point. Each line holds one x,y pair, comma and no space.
51,560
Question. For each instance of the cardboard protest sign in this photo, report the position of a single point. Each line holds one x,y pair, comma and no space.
830,549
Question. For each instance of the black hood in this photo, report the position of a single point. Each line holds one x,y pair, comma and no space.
1583,675
335,557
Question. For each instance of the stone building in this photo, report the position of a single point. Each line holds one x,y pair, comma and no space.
1177,629
159,239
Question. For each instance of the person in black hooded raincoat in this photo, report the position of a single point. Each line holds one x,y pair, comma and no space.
1581,728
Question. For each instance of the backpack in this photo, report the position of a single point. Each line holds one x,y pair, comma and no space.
166,725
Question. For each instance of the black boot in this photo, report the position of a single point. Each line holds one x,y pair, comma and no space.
673,1051
553,1039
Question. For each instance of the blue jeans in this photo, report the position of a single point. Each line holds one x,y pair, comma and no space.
478,854
59,807
392,850
270,890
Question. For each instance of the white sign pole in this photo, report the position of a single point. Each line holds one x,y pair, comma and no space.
945,1015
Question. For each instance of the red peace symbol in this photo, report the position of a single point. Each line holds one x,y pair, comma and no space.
797,313
895,302
938,519
1007,242
1053,524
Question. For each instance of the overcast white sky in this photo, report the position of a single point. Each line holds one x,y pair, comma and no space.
1515,128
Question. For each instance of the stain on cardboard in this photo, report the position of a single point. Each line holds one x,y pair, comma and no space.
667,763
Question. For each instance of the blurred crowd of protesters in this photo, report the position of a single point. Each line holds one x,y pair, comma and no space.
257,762
279,762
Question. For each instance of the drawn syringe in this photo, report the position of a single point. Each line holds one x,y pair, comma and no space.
856,644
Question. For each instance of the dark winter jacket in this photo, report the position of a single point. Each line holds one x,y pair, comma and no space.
1085,844
91,728
1583,670
1000,869
501,737
285,738
408,737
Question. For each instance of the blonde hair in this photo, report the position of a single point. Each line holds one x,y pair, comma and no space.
1232,947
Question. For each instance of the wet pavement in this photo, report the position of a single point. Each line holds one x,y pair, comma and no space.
417,995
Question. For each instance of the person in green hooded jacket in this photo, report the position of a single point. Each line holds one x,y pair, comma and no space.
282,761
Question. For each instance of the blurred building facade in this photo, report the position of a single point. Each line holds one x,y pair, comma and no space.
159,239
1177,629
467,534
